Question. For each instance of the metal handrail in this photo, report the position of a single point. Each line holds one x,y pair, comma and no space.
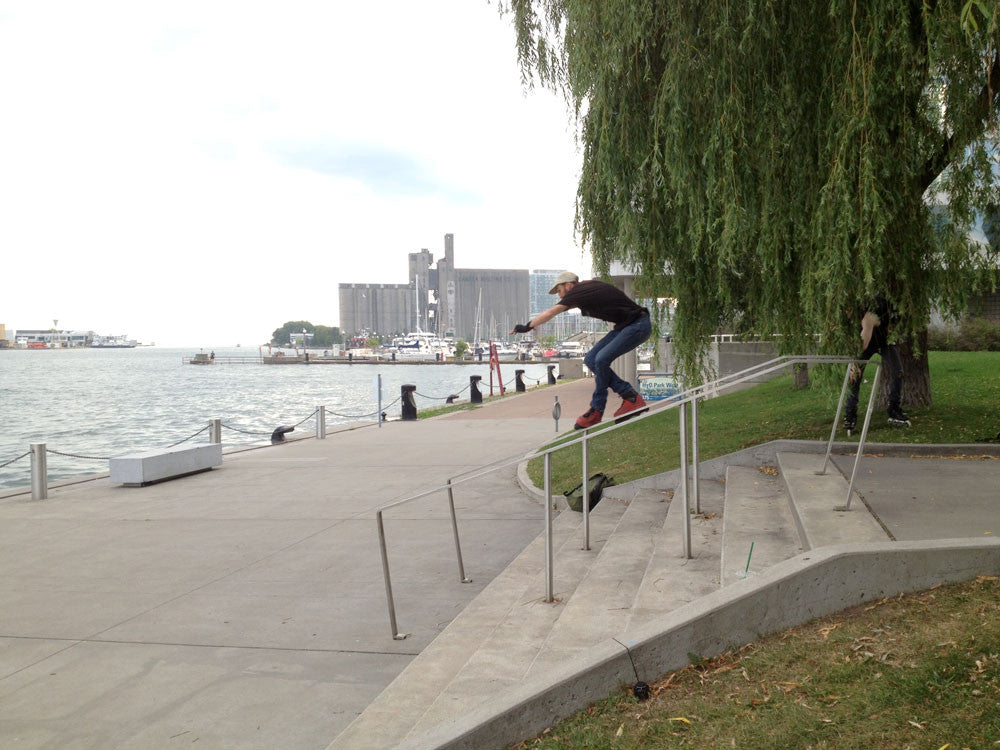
690,396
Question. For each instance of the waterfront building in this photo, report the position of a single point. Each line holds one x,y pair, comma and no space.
440,299
50,338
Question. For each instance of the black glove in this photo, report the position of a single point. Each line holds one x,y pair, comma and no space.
522,328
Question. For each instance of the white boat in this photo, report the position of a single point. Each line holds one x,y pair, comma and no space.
422,346
113,342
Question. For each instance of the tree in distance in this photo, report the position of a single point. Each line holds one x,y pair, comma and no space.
322,336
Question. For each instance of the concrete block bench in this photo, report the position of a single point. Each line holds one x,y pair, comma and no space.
139,469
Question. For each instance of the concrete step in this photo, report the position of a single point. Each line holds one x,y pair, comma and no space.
506,655
758,514
814,498
671,580
602,604
394,711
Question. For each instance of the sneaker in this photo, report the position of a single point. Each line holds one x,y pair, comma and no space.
588,419
898,417
631,402
850,423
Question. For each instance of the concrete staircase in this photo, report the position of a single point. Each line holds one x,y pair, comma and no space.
635,572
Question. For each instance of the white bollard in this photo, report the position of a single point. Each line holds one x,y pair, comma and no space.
39,472
321,423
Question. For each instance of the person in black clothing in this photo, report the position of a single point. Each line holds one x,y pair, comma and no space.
598,299
875,339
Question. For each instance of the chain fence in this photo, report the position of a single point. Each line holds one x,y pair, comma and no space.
15,460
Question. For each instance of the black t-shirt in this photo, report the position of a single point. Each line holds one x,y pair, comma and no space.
597,299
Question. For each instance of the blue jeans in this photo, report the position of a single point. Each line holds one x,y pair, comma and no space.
606,351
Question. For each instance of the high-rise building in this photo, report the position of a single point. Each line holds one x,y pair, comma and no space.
540,282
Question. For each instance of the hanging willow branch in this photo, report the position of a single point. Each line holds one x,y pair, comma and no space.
775,164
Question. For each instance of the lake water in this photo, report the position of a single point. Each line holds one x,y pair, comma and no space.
99,403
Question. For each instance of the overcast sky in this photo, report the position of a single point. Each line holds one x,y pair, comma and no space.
198,173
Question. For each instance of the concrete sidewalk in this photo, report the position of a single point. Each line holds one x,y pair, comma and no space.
245,607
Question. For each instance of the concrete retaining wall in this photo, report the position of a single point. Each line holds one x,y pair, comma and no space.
808,586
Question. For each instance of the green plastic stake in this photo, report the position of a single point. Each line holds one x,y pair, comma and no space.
748,560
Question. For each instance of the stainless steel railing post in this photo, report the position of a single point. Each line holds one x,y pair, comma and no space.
864,436
586,490
321,422
836,419
39,472
454,528
549,596
396,635
694,455
685,507
215,430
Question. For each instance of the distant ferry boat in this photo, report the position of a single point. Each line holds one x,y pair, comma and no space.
113,342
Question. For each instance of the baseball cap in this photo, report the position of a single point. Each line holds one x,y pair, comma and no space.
562,279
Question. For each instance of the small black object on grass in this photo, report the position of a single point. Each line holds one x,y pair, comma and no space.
641,691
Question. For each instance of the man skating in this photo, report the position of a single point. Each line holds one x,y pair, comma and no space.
598,299
875,339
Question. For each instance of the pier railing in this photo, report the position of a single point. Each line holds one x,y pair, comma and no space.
39,452
686,402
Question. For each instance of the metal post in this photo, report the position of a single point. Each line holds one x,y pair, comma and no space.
396,635
379,377
586,491
321,422
836,419
557,412
39,472
454,528
694,455
215,430
864,435
549,596
685,507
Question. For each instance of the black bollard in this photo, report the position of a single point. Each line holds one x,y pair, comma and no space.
279,433
475,397
552,377
394,356
519,386
350,356
409,406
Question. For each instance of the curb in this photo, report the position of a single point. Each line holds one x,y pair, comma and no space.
793,592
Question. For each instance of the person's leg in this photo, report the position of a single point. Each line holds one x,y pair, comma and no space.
628,338
600,365
854,388
894,371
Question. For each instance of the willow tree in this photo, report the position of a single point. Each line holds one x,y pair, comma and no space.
773,164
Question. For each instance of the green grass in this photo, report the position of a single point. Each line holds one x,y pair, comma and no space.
916,671
965,388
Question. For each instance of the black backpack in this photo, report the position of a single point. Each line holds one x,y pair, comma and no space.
595,486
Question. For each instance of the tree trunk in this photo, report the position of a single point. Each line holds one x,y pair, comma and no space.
801,376
916,375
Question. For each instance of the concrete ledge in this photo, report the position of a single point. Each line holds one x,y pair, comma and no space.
154,466
805,587
766,454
